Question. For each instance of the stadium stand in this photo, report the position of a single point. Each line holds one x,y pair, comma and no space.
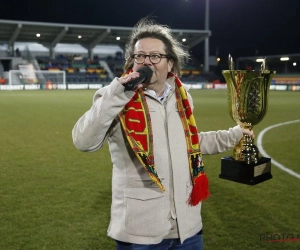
97,56
39,42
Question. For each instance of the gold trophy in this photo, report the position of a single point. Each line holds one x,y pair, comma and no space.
247,104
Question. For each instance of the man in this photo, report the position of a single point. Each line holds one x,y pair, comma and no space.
158,178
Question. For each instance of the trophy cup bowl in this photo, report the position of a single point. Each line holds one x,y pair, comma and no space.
247,105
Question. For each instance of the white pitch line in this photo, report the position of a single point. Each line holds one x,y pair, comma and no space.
263,152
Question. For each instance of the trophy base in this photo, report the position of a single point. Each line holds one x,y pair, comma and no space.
241,172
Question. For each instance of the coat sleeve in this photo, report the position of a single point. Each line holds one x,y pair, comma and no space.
214,142
91,130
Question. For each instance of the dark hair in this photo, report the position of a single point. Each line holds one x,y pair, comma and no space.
148,28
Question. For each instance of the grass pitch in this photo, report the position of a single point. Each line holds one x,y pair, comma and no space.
55,197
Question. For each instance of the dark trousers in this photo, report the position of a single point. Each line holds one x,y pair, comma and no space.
193,243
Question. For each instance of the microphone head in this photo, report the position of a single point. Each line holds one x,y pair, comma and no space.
146,72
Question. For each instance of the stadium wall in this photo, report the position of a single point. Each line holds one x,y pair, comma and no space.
73,86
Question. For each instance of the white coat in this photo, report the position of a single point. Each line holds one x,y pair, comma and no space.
140,212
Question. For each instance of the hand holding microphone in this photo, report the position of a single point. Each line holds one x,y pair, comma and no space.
144,77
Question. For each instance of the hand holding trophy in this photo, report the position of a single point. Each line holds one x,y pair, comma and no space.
247,106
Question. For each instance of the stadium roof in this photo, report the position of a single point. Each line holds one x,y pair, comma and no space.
87,35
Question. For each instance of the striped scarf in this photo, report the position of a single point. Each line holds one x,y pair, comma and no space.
136,122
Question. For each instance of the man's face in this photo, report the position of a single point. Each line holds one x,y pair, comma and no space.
148,46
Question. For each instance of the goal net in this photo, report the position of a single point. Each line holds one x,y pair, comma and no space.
41,79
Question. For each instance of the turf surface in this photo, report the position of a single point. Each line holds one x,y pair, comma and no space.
55,197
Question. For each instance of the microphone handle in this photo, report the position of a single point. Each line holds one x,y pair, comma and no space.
131,85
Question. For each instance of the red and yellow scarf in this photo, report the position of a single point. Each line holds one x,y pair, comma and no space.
136,122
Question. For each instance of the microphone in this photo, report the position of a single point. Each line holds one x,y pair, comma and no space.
145,76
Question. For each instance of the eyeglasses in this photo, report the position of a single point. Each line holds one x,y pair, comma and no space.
154,58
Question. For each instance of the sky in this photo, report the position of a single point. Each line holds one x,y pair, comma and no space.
241,28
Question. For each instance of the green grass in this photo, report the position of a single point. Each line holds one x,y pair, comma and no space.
55,197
